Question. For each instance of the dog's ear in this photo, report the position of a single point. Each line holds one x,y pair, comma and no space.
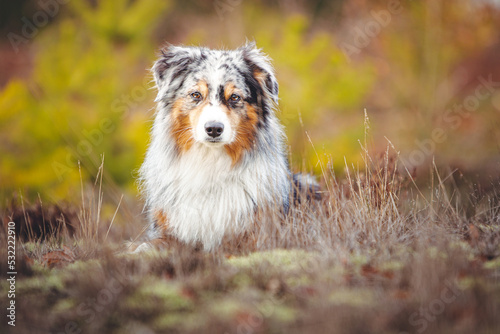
171,67
261,68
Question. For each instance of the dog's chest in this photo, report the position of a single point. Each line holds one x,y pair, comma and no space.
206,198
211,193
207,175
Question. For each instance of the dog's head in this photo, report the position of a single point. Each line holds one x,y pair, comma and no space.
214,97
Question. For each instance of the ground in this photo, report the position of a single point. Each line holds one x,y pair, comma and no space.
375,255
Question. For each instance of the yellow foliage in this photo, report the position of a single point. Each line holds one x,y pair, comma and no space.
316,81
82,102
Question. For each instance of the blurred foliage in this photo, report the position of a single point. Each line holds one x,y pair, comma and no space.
315,81
87,83
89,93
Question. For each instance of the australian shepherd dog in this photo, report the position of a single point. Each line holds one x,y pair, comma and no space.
217,153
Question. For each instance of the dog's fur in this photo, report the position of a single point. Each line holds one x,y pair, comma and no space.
200,187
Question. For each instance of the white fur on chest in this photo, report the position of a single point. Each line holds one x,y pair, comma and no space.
206,198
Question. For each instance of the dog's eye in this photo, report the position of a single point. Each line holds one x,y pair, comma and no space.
196,95
234,98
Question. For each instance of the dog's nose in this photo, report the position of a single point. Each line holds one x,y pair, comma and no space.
214,129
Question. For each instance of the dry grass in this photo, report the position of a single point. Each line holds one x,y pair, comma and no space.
375,255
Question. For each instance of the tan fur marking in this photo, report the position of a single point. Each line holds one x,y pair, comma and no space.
184,120
229,90
182,130
260,76
166,240
203,88
245,135
161,221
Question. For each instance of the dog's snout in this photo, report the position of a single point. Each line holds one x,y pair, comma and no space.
214,129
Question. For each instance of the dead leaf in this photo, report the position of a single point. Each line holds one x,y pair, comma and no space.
368,270
401,294
473,233
58,258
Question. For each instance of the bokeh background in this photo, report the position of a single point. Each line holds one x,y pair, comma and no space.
75,87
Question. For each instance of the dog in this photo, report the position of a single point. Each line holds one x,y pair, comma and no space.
218,151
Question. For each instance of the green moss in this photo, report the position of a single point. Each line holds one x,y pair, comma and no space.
359,259
493,264
275,310
284,259
65,305
391,265
41,283
490,228
266,308
178,320
242,280
464,247
435,253
353,297
227,308
294,281
165,294
83,266
31,247
40,269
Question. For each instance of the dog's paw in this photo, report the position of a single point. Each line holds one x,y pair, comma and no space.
131,247
144,247
151,245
